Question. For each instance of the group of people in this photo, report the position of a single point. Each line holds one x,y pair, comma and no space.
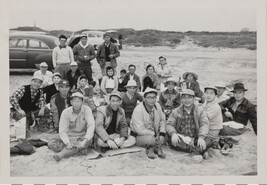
150,112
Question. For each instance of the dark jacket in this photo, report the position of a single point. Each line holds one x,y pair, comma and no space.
101,55
103,119
121,86
194,86
26,102
244,112
73,79
50,91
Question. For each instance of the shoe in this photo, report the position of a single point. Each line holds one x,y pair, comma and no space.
205,155
226,149
150,153
234,141
37,142
104,149
159,152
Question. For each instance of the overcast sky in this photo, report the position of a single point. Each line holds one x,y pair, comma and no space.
170,15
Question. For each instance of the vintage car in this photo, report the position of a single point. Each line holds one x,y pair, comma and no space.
27,51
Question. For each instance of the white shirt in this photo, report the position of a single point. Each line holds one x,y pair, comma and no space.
47,76
62,56
131,77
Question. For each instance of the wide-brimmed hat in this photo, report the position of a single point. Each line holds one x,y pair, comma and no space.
43,64
188,92
220,84
210,87
56,74
239,87
194,74
38,77
116,93
64,83
150,90
131,83
171,79
77,94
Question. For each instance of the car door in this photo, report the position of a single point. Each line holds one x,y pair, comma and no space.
18,53
37,48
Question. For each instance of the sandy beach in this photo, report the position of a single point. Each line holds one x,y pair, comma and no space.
212,65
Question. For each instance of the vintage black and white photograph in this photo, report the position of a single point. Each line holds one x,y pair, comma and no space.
132,88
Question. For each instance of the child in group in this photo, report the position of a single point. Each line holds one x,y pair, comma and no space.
170,98
123,81
109,83
190,81
129,99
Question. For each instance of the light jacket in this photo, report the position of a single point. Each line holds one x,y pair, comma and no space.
200,118
103,119
140,120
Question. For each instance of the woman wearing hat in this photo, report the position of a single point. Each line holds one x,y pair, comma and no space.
170,98
129,99
163,72
84,88
150,79
238,109
190,82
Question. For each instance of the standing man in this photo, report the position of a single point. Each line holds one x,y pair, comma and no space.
76,129
84,53
47,75
62,57
238,109
132,76
148,124
107,54
111,125
188,126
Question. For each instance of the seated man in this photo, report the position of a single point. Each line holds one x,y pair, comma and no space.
148,124
29,100
53,88
238,109
188,126
170,98
76,129
59,102
131,75
47,75
111,125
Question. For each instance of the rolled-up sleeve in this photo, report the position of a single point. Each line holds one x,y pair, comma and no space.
64,127
89,118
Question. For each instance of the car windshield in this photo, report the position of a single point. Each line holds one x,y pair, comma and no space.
56,41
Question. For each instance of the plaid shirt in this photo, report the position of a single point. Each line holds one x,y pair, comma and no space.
188,127
14,99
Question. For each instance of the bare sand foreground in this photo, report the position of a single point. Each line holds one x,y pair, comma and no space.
212,65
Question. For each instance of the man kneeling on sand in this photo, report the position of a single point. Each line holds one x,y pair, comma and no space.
111,125
188,126
148,124
76,129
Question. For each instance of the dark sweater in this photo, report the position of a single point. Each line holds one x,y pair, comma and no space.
26,102
50,91
129,105
112,126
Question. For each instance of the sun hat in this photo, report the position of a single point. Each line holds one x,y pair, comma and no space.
131,83
186,73
210,87
188,92
150,90
171,79
220,84
239,87
38,77
115,93
77,94
83,35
